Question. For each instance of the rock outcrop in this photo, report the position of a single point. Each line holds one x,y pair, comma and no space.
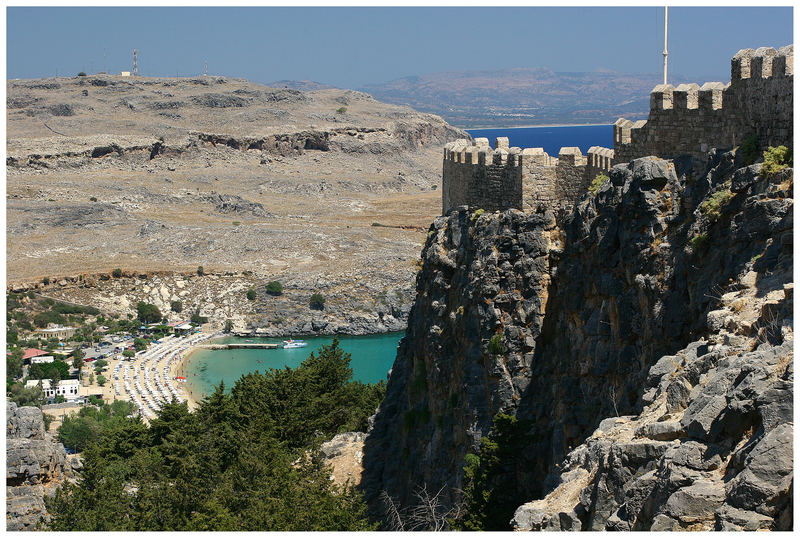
35,465
664,302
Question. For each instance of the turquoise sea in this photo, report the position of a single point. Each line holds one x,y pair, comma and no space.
372,358
552,139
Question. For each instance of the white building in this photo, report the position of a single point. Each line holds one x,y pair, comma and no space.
56,331
42,360
68,388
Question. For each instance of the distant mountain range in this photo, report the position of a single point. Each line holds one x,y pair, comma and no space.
521,96
301,85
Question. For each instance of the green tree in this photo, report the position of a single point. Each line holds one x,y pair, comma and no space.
147,313
228,326
22,396
197,319
176,306
231,465
317,301
14,364
42,319
251,294
140,344
101,380
116,273
274,288
128,353
200,270
491,477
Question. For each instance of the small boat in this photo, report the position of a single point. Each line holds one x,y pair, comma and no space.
291,344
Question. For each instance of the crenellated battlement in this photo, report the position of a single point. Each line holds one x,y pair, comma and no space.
687,119
476,175
691,119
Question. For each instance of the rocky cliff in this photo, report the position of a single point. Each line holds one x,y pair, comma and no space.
35,465
651,329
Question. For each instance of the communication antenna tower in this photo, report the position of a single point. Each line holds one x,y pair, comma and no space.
666,22
206,71
136,63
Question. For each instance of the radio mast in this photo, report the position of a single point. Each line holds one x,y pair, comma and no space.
666,22
136,63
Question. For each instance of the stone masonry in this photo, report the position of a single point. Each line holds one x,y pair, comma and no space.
692,119
474,175
689,119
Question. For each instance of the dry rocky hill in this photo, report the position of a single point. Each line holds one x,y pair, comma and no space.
150,175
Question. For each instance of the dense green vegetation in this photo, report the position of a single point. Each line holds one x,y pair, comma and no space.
775,160
316,301
274,287
147,313
491,488
245,460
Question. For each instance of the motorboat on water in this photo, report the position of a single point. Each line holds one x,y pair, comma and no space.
291,344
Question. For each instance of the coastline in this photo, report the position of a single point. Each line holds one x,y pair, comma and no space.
180,370
536,126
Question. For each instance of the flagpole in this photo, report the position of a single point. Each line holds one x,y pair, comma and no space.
666,22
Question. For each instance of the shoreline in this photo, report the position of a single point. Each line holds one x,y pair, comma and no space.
537,126
179,370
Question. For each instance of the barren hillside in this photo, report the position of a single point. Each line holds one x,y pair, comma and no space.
146,174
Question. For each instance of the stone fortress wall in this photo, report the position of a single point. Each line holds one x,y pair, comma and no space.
692,119
475,175
689,119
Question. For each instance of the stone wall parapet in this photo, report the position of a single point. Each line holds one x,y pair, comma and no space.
475,175
692,119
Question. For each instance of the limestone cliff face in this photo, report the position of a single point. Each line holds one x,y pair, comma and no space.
663,256
35,465
480,276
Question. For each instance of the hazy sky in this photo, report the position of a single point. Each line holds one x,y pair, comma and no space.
349,47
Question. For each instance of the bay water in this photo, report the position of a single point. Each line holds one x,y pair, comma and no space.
552,139
372,357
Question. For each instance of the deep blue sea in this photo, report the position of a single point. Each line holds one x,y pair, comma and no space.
552,139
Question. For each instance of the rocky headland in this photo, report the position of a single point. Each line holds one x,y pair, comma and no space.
645,343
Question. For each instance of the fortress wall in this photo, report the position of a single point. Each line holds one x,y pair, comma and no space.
475,175
692,119
479,177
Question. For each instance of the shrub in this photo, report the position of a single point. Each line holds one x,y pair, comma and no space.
46,281
476,214
82,74
775,160
147,313
712,208
236,223
48,316
496,345
317,301
341,110
228,326
597,182
116,273
274,288
698,242
197,319
93,198
176,306
749,149
251,294
200,270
